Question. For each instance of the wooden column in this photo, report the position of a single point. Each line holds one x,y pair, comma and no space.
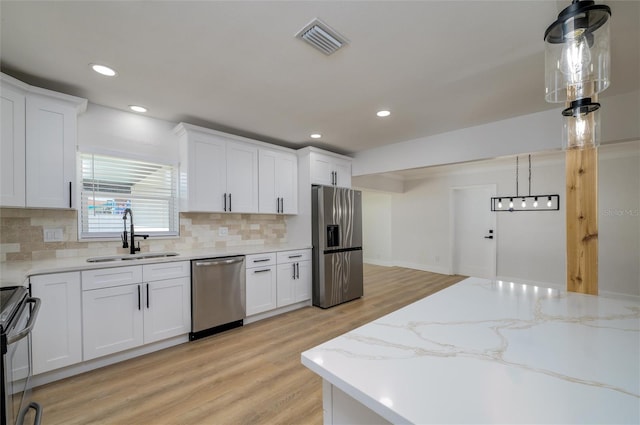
582,220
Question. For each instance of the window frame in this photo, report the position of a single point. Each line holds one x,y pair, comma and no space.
174,210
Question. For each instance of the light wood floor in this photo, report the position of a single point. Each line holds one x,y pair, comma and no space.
248,375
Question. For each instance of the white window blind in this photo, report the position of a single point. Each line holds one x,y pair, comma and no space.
111,184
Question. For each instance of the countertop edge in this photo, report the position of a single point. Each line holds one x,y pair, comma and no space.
17,273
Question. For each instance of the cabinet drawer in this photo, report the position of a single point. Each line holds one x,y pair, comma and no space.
162,271
292,256
106,278
260,260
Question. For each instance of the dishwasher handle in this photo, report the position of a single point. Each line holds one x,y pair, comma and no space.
219,262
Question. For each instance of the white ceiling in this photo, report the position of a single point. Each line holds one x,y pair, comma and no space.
236,66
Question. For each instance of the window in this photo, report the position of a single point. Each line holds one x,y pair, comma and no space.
110,185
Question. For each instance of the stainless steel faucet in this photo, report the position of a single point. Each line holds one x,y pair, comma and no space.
125,242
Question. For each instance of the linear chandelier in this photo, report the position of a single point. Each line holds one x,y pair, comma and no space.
529,202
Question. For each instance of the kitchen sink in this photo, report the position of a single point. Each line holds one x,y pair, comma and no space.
143,256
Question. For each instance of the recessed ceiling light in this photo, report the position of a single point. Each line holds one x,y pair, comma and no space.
383,113
316,136
137,108
104,70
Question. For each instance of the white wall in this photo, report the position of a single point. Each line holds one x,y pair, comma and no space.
102,129
530,245
376,217
538,132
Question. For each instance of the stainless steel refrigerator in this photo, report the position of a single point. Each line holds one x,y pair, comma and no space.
336,215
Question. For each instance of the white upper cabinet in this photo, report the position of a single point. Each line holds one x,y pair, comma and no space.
12,145
217,174
278,182
51,153
38,145
330,170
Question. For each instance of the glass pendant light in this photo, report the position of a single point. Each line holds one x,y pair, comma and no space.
577,67
577,58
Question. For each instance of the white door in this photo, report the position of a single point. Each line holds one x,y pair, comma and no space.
286,284
473,231
112,320
167,308
242,178
12,150
57,335
50,153
302,291
207,174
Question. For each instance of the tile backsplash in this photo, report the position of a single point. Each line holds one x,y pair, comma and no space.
22,234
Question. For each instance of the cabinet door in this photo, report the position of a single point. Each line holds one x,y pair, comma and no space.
286,284
207,174
261,289
321,169
57,335
112,320
287,182
343,172
242,178
50,153
167,308
302,283
12,148
267,170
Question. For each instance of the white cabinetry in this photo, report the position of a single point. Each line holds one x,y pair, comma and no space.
12,147
294,276
217,174
123,309
278,182
330,170
57,335
39,143
261,282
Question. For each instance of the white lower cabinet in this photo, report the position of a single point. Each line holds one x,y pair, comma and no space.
261,283
136,311
112,320
294,276
57,335
277,280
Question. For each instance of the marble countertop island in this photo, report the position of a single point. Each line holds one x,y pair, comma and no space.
486,351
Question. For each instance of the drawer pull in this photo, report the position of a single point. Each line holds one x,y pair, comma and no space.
262,260
262,271
295,256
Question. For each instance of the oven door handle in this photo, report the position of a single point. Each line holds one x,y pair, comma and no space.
35,406
30,324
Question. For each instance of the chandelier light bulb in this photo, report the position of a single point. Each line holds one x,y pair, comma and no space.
500,203
510,202
549,202
524,203
535,202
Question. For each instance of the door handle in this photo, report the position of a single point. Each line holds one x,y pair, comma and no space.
225,201
489,237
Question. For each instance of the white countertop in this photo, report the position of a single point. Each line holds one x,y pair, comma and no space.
493,352
17,272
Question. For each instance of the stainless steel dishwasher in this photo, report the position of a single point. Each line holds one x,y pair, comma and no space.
217,295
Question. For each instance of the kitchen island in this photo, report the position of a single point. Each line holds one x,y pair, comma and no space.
486,351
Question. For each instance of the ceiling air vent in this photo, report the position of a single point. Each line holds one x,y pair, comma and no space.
322,37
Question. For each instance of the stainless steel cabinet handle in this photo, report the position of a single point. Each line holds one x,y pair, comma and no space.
262,260
294,270
295,256
139,306
219,262
225,201
282,205
262,271
70,197
297,270
229,202
30,324
147,295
